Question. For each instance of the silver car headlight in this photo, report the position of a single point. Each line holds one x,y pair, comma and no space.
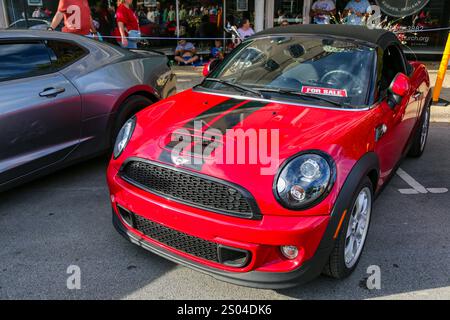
304,180
124,136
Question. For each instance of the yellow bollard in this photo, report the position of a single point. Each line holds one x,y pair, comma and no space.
442,71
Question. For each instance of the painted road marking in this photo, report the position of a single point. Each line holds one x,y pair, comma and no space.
437,190
416,186
411,181
408,191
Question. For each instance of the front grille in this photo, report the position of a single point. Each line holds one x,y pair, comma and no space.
177,240
189,188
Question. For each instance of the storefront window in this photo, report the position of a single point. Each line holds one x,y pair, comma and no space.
201,19
237,10
288,12
408,18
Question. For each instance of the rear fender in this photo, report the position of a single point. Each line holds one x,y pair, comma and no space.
135,90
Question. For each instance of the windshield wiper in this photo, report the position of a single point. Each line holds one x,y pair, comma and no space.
301,94
236,86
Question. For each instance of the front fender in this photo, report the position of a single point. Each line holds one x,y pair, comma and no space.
365,166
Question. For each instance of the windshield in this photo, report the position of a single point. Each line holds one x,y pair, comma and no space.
333,72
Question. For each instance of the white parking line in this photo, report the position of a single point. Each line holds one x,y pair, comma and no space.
408,191
411,181
437,190
416,186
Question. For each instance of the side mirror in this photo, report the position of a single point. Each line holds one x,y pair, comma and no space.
398,89
209,66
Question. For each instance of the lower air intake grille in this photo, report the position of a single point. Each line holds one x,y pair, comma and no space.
177,240
189,244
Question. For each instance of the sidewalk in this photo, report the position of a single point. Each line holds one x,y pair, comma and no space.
440,113
187,77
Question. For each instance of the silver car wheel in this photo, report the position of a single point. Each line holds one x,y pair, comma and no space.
358,226
425,125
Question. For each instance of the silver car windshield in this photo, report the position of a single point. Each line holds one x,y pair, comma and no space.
300,67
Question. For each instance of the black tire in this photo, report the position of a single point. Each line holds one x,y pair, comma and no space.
420,141
128,108
336,266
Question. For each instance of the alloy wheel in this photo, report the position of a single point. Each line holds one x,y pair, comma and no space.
425,125
358,226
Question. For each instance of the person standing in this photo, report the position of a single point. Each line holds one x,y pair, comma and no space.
151,15
164,15
171,14
77,17
322,10
157,15
183,13
128,24
355,11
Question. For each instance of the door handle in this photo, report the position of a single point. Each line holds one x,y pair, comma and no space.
417,95
51,92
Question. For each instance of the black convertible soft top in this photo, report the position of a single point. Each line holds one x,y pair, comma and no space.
379,37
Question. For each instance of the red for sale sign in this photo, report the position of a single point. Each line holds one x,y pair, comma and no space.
325,91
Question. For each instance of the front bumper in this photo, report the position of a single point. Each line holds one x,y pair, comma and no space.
256,279
267,268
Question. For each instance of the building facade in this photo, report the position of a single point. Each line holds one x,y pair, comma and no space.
206,18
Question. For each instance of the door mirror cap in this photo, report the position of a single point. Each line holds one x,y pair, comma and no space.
400,85
398,89
209,66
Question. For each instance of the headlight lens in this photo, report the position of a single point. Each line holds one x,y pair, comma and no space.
124,136
304,180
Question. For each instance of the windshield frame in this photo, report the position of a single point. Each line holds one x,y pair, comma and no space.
369,101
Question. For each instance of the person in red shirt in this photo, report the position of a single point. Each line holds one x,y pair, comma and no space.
128,24
77,17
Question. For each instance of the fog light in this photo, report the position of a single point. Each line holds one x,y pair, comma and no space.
290,252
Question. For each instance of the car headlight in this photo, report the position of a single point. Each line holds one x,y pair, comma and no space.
304,180
124,136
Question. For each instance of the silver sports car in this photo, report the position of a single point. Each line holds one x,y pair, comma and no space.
63,98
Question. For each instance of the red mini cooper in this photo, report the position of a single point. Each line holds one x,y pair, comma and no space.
264,174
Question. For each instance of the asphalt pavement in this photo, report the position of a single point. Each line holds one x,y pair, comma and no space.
65,219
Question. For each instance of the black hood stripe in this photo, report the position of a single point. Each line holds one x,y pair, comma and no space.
205,116
229,120
234,117
208,115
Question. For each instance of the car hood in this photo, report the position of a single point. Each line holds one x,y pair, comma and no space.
300,127
267,131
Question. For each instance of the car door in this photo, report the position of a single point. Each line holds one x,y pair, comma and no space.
397,122
40,110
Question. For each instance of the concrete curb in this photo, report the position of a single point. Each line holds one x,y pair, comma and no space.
440,114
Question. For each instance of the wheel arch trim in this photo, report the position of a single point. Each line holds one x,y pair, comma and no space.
366,166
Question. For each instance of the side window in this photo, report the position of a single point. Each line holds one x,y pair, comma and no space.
64,53
393,63
22,60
